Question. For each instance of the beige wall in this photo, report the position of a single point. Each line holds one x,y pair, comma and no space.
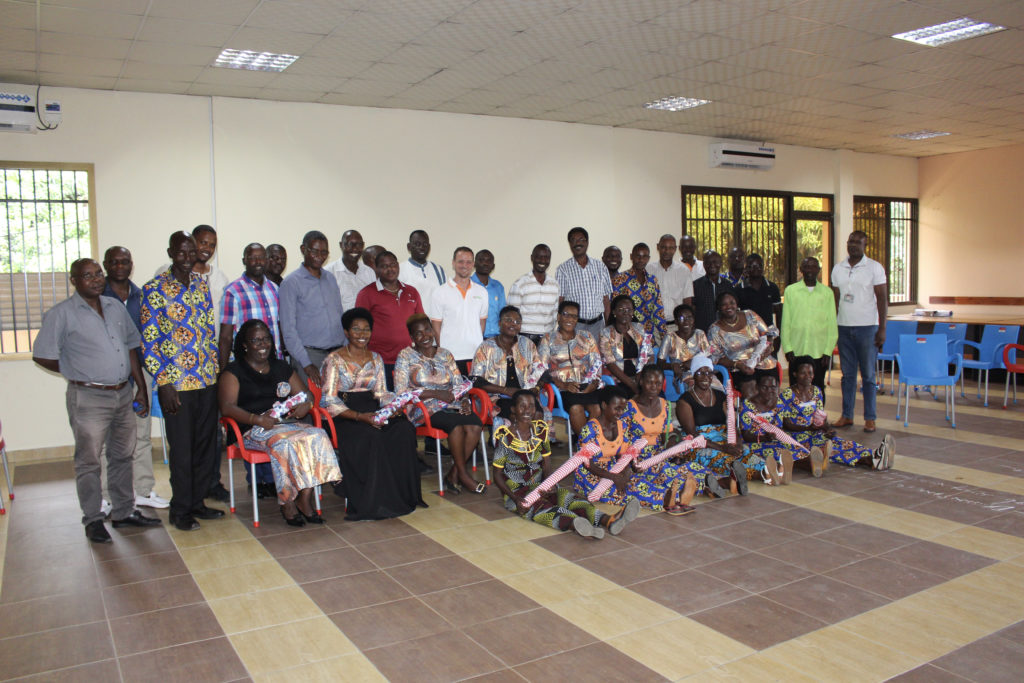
283,168
972,223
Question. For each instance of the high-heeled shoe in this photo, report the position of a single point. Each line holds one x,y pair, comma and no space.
315,518
297,520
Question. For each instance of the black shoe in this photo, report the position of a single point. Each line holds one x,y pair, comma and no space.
97,533
183,522
293,521
266,490
315,518
220,493
204,512
136,519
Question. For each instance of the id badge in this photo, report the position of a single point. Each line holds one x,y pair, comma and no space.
848,298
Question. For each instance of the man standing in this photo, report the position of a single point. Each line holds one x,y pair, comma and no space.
206,245
92,341
673,277
251,296
809,322
311,309
536,296
756,292
707,288
687,251
277,262
737,264
458,311
862,298
350,272
390,303
180,351
585,281
117,261
643,290
484,266
611,257
424,275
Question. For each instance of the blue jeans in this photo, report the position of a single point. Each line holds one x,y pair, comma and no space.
857,349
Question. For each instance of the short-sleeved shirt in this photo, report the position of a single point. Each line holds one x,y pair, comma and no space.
245,299
646,297
179,345
349,283
537,302
676,284
495,302
310,313
858,306
390,310
89,348
424,277
586,286
460,313
216,279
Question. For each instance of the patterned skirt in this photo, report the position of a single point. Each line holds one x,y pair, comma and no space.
718,462
556,505
648,486
844,451
301,457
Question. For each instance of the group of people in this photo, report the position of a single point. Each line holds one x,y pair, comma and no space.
361,332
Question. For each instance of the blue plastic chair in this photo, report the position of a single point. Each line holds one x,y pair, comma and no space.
894,329
551,398
956,334
922,359
990,352
157,413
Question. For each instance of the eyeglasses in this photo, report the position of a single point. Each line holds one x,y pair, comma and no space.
89,277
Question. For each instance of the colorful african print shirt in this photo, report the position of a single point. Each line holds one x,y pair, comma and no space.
646,298
521,460
179,345
577,360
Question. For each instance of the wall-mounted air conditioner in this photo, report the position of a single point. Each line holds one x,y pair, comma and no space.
17,108
740,154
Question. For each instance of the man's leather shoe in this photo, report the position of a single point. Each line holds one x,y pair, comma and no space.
136,519
204,512
97,533
220,493
183,522
842,422
869,426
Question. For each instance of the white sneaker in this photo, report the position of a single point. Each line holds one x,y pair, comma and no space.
105,507
151,501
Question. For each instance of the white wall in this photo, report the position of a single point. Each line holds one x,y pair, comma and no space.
284,168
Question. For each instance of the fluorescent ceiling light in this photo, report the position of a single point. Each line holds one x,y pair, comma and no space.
675,103
920,135
951,31
254,61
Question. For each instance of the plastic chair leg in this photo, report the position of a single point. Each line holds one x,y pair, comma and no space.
906,417
163,439
255,502
10,487
952,405
440,472
483,454
986,388
316,498
231,485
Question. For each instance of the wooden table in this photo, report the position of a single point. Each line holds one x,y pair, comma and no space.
969,318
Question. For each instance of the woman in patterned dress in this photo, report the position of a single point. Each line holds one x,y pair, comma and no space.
801,401
702,413
424,365
648,417
679,347
301,456
573,363
734,338
522,460
625,347
778,457
379,463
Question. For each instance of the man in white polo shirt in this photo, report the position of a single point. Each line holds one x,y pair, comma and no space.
458,310
862,299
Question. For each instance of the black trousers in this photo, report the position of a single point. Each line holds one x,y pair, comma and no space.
820,370
192,448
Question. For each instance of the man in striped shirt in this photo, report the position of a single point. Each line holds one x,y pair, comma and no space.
536,296
251,296
585,281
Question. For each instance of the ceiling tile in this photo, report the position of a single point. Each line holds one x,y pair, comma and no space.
363,87
17,15
482,96
400,28
289,95
219,12
398,73
162,85
352,99
428,55
219,75
89,23
154,72
300,17
170,53
76,65
290,81
431,10
122,6
67,80
222,90
17,38
517,16
362,49
16,60
708,47
328,67
269,40
162,30
707,16
465,36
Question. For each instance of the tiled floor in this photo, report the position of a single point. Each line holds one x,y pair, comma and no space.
916,574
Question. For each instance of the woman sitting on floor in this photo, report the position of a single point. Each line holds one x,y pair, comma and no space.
702,413
301,455
522,461
625,347
379,463
766,406
425,365
801,402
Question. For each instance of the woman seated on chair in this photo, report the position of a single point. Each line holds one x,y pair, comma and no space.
734,340
625,347
379,463
679,347
804,418
522,461
426,366
701,412
573,362
301,455
648,417
778,457
507,363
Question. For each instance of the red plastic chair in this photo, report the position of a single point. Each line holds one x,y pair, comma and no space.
319,414
7,471
428,431
1012,368
237,451
483,409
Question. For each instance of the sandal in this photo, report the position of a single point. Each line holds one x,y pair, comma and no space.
739,473
479,489
890,450
817,460
670,497
713,487
587,530
626,515
681,510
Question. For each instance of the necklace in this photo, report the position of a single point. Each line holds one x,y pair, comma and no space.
711,398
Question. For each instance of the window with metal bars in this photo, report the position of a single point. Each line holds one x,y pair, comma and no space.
48,221
783,227
891,226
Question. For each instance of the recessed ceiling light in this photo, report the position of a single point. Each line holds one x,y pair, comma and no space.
254,61
920,135
951,31
675,103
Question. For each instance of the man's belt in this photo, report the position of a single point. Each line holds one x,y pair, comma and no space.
592,320
327,350
105,387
